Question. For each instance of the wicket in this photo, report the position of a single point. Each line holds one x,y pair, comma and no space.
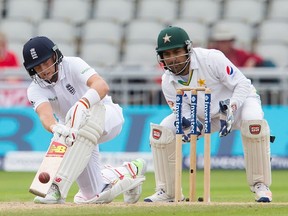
193,142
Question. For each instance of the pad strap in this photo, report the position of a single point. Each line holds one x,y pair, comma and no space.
115,171
128,165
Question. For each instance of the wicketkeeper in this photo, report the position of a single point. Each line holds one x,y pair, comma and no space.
71,100
235,105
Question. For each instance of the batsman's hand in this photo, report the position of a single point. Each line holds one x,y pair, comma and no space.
226,117
59,130
78,114
186,124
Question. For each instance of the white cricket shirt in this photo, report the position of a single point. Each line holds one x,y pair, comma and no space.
213,70
70,87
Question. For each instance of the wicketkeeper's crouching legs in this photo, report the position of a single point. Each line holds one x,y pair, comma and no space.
256,144
162,141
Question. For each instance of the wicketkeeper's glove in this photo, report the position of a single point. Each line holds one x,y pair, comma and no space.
226,117
186,126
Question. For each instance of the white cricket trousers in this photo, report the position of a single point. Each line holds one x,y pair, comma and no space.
90,181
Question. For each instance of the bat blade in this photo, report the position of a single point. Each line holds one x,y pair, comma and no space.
50,164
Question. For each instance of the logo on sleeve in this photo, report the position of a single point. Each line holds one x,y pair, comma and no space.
229,70
84,71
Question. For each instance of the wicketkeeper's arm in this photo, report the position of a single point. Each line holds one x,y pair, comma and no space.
226,117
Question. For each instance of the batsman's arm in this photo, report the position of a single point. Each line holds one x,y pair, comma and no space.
46,116
98,89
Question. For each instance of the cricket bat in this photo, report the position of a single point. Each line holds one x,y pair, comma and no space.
50,164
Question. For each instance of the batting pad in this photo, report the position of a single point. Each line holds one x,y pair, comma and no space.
162,142
108,195
256,144
78,155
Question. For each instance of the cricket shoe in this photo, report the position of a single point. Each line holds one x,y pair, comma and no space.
133,195
161,196
53,197
262,193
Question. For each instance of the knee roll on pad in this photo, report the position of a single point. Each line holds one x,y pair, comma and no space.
256,145
162,141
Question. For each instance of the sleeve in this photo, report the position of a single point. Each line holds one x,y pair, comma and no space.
169,92
36,96
230,76
81,70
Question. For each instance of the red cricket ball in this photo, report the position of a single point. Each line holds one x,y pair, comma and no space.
44,177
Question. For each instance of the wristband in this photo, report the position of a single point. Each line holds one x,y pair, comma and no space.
92,96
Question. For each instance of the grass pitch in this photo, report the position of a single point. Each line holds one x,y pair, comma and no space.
230,195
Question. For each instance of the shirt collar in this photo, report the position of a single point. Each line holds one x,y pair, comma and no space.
61,73
194,64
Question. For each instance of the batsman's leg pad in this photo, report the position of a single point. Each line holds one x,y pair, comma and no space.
118,180
113,190
77,156
256,145
162,142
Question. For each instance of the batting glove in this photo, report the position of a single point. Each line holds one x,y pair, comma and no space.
78,114
226,117
59,130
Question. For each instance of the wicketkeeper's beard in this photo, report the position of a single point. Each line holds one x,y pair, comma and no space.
175,67
178,68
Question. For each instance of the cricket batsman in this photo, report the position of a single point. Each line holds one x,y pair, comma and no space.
235,105
72,102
